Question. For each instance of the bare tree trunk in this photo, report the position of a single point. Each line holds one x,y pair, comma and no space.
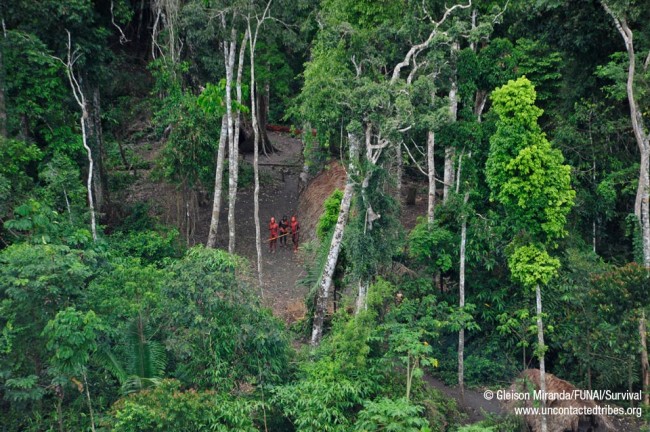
642,203
218,185
541,347
400,171
233,166
81,101
262,111
256,156
644,193
461,304
90,405
335,247
229,54
100,178
448,176
431,171
450,152
362,296
645,367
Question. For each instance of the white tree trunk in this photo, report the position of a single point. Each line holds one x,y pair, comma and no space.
218,185
234,149
362,296
450,152
81,101
431,170
229,54
256,154
541,348
645,367
448,177
89,183
461,304
642,203
335,247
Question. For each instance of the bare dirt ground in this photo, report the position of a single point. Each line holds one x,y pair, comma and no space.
278,197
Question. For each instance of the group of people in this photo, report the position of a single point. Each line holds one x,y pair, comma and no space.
280,231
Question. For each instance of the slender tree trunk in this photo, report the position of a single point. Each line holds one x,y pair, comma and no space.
335,247
431,170
229,55
233,166
450,152
100,179
644,193
642,203
645,367
448,176
90,405
59,410
362,296
460,170
541,348
256,166
89,183
218,185
400,170
262,121
461,304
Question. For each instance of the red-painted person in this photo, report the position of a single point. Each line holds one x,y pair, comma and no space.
273,232
295,232
284,231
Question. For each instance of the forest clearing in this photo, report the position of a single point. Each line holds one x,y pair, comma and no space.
324,216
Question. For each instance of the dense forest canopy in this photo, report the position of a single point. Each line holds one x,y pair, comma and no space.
494,213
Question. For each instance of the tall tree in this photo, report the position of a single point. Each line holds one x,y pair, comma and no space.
622,13
259,21
79,96
527,177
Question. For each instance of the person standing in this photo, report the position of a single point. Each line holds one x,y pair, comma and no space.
295,232
273,232
284,231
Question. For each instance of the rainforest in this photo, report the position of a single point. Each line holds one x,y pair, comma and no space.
324,216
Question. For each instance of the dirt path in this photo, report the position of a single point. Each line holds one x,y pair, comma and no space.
278,197
475,405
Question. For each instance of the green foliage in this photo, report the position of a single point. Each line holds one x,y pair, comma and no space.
391,415
169,407
531,265
72,337
152,247
215,330
36,92
320,400
432,246
15,158
331,388
188,156
330,215
527,177
476,427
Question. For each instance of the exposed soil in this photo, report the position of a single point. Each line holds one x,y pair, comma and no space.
279,174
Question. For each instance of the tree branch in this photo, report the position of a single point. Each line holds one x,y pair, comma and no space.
424,45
